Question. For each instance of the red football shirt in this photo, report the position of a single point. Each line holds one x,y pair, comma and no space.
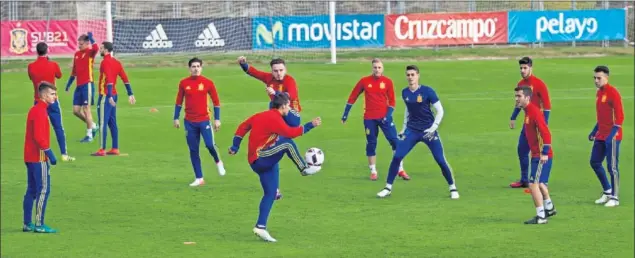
194,90
83,64
609,112
379,94
37,136
265,128
540,95
287,84
536,131
43,70
109,69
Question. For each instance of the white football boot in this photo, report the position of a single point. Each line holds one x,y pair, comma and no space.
605,198
384,192
454,194
198,182
221,168
264,235
613,202
310,170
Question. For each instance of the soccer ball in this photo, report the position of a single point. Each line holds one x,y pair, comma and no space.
314,157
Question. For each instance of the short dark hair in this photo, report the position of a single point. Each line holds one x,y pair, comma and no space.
375,60
412,67
276,61
602,68
83,37
45,85
42,48
194,60
108,46
527,92
280,99
526,61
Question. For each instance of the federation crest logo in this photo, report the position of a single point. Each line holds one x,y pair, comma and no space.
201,86
18,41
382,85
603,98
280,87
419,99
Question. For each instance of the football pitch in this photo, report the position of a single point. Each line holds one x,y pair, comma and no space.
140,205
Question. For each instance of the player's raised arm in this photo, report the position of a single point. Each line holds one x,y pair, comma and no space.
352,98
94,48
250,70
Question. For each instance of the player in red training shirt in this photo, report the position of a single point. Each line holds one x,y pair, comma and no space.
109,69
270,139
277,81
83,97
541,100
37,155
195,90
607,136
539,141
379,104
44,70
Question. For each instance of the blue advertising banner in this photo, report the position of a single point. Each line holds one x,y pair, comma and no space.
566,26
182,35
298,32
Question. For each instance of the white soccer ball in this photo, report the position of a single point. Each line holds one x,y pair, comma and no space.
314,157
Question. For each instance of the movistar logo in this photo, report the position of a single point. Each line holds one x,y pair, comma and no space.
269,36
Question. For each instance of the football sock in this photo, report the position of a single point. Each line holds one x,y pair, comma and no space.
389,186
401,166
373,169
89,133
548,204
540,211
452,187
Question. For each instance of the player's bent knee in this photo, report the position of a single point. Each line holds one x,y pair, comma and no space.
595,164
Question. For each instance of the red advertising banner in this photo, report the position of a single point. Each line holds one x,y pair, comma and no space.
405,30
20,37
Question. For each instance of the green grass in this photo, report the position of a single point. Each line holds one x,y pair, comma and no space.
141,205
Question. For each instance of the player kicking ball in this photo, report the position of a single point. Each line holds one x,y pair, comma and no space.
269,141
539,140
422,126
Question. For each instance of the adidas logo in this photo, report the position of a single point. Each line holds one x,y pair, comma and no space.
157,39
209,37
